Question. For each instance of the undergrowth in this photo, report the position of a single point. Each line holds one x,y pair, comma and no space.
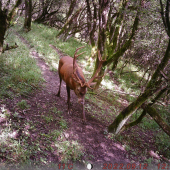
116,91
19,74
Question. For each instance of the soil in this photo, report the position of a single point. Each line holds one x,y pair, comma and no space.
98,148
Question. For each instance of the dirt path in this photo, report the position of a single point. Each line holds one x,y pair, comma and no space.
98,149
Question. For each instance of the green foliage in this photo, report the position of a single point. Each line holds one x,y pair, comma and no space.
128,78
14,150
69,150
149,161
149,124
19,150
23,104
63,123
163,144
48,118
41,36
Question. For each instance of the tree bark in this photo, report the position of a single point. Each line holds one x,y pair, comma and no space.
71,9
121,119
102,38
13,11
28,15
5,20
112,58
151,88
137,121
158,119
69,21
3,28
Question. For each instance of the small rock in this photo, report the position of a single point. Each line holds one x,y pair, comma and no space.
103,145
66,135
106,159
89,139
110,154
89,127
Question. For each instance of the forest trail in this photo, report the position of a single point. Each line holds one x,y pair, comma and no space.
98,148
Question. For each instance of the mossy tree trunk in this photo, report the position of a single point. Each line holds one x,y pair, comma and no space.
91,22
102,37
137,121
153,85
28,15
67,26
3,28
158,119
71,9
108,38
5,18
121,119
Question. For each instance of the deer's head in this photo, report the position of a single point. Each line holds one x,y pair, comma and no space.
78,77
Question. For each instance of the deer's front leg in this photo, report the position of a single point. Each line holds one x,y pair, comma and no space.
68,98
84,117
58,94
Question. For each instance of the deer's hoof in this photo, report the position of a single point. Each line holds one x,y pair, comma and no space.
58,95
69,113
84,121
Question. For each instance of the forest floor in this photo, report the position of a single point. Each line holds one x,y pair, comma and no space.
98,148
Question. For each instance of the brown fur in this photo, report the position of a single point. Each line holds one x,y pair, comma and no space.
65,71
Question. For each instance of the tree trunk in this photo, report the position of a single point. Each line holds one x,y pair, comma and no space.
121,119
117,24
3,28
158,119
28,15
13,11
71,8
5,19
151,88
102,38
104,47
137,121
91,23
68,22
100,74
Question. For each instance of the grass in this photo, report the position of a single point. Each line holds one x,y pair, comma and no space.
19,74
18,150
68,150
23,104
41,36
162,142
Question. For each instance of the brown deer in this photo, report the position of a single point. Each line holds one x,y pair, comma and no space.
73,76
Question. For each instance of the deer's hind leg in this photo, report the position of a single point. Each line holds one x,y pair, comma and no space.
58,94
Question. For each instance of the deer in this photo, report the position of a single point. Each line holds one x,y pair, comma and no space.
71,73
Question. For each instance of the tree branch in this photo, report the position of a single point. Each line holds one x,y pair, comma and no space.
12,13
158,119
11,47
121,51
